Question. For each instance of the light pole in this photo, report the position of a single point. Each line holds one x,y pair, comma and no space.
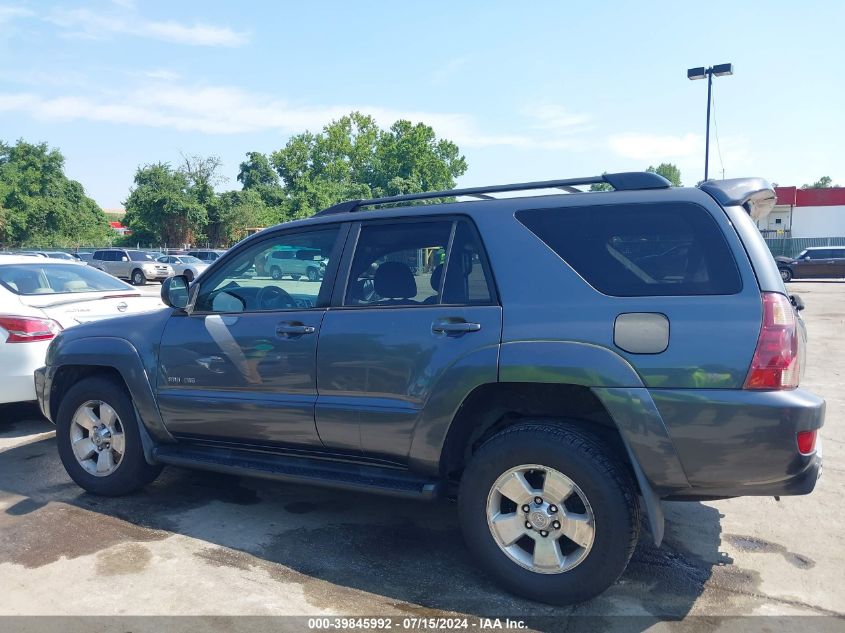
719,70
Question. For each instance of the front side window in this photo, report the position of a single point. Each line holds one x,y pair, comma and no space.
409,263
636,250
140,256
249,281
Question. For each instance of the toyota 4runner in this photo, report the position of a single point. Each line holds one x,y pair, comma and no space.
649,352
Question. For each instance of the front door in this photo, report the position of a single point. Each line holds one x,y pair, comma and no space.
242,365
813,265
416,323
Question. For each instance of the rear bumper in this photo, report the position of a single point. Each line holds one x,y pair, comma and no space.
737,442
43,380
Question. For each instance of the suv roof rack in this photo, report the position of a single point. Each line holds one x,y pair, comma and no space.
625,181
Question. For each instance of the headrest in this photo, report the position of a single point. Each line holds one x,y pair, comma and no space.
394,280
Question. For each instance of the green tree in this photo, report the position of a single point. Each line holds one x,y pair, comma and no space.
669,171
354,158
257,174
601,186
40,205
238,211
825,182
163,206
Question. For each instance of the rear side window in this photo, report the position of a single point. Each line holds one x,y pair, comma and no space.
640,250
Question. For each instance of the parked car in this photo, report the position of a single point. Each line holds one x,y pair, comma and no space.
61,255
85,258
138,267
206,254
820,262
41,297
186,265
295,263
554,408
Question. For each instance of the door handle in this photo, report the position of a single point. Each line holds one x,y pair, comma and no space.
294,329
454,327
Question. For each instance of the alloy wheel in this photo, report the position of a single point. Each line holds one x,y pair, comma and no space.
97,438
540,519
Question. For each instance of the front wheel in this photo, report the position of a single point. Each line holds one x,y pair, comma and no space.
138,278
99,440
275,273
786,274
549,512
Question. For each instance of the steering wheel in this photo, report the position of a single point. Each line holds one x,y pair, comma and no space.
273,298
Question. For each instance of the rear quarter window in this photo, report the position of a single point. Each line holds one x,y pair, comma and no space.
638,250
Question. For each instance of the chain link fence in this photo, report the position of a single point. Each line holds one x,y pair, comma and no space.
791,246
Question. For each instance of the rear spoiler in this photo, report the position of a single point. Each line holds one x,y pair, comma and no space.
756,195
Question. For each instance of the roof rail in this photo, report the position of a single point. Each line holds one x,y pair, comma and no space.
625,181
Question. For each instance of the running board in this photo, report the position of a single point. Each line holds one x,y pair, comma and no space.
301,470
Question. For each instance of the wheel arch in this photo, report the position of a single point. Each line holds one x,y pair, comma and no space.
492,407
108,357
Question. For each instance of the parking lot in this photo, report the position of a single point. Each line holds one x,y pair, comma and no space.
207,544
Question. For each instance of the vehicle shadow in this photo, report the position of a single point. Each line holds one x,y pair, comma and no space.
22,418
407,556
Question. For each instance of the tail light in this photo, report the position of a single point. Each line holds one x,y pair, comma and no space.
775,362
807,441
20,329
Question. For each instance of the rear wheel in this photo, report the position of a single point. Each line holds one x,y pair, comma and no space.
99,441
786,274
275,272
549,512
138,278
312,274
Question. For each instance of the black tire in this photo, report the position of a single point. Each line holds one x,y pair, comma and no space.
785,274
593,467
138,278
275,273
133,471
312,274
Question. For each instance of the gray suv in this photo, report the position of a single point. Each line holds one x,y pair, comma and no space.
657,356
138,267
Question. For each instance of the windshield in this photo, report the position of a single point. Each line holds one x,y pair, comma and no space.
140,256
40,279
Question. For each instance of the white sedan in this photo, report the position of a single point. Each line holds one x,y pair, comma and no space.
39,297
187,265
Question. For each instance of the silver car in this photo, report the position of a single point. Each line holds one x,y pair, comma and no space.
187,265
138,267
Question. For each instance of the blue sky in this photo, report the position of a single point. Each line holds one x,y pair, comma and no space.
528,90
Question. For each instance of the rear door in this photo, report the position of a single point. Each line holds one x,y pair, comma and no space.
242,366
813,265
837,263
416,317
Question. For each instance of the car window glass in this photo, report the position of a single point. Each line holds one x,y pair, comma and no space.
248,282
658,249
34,279
398,264
466,278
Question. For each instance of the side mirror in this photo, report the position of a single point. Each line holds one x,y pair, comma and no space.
176,293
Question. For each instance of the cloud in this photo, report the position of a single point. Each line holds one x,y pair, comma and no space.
89,24
228,110
655,147
161,74
549,116
9,13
